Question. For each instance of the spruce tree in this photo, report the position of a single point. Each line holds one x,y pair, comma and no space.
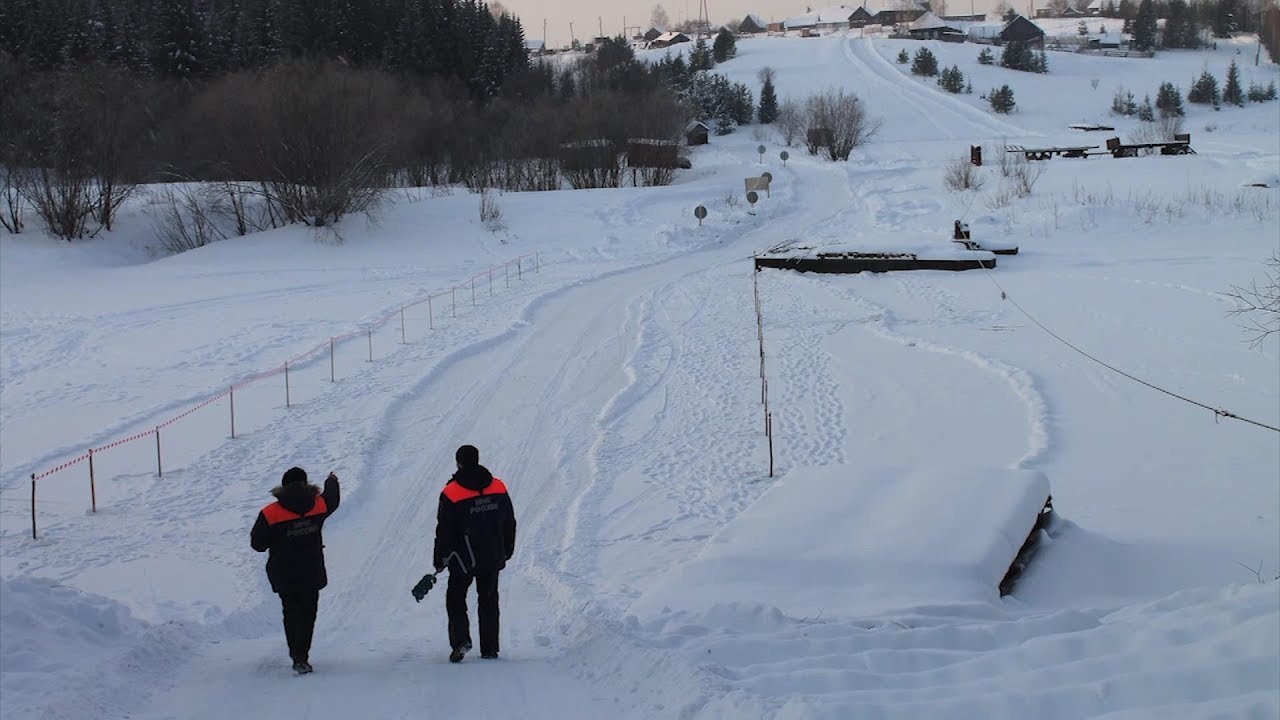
1225,19
1145,112
1204,91
768,111
1002,100
1169,101
1232,92
725,46
952,79
1017,55
1175,25
925,63
1144,26
700,58
903,57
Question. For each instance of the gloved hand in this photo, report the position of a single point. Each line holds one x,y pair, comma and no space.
423,587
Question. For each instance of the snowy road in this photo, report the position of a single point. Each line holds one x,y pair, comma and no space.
617,394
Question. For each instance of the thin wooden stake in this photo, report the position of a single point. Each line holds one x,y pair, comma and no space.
506,271
519,270
431,315
770,445
473,290
93,491
333,375
286,385
402,340
490,282
232,393
159,465
453,293
370,329
33,506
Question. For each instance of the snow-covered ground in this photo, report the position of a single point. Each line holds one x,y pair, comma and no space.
616,390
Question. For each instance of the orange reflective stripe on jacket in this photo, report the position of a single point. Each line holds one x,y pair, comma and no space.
275,512
457,493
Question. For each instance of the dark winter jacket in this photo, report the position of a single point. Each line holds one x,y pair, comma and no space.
290,530
475,525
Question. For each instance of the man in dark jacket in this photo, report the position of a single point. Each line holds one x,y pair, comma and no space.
475,537
290,529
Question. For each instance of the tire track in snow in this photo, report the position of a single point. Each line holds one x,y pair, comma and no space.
924,102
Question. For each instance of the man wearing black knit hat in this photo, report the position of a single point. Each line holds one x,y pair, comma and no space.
290,529
475,537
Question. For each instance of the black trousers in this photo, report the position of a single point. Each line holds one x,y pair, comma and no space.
299,621
455,602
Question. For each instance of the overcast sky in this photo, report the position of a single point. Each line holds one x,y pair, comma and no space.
588,16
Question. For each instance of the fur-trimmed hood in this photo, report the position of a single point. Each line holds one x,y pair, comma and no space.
297,498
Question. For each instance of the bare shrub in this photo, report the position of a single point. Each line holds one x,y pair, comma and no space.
760,133
1001,198
61,195
1160,130
317,137
113,101
845,121
1008,161
11,199
790,122
1259,303
13,129
960,174
184,218
490,211
1024,177
1090,197
731,200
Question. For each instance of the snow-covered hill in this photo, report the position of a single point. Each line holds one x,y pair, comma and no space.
616,390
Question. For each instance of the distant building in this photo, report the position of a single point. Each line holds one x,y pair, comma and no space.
651,34
667,39
752,24
861,18
1022,29
830,18
932,27
697,133
534,47
908,11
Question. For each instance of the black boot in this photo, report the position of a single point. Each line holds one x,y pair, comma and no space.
459,652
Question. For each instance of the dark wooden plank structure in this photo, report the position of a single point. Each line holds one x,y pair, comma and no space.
1180,145
1029,548
1078,151
856,262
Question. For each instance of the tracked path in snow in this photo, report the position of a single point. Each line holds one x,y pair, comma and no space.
951,118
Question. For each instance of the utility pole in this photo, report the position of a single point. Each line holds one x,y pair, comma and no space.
544,35
573,40
600,22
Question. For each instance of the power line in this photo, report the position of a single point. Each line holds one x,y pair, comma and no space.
1217,412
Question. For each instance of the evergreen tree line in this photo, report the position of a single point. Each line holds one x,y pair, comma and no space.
1223,17
460,40
310,139
1204,90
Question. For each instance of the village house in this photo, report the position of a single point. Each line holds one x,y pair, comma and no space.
751,25
932,27
667,39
